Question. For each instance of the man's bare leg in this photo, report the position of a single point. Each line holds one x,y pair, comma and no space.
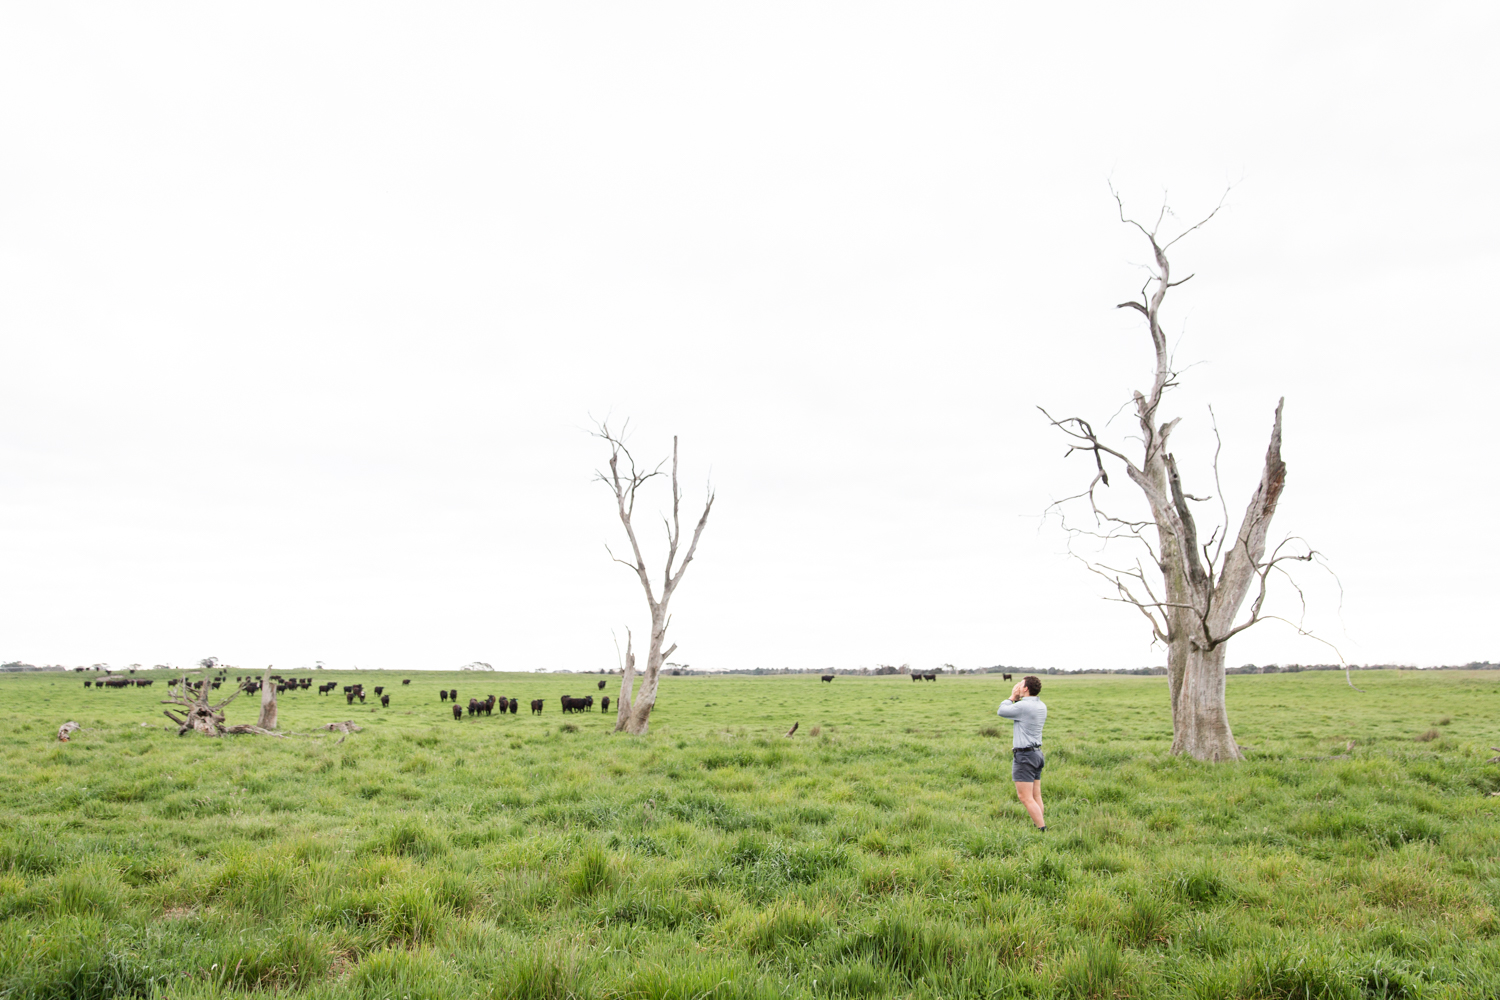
1029,793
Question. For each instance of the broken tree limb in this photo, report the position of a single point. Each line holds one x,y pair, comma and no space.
346,727
66,730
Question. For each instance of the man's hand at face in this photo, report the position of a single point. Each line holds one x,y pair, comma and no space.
1019,691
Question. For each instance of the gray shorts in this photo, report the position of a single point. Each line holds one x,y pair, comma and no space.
1026,765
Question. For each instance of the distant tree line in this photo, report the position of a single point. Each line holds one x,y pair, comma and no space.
883,669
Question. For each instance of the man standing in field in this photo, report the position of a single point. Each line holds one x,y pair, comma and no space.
1027,713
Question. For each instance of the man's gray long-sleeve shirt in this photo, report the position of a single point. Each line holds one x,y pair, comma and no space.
1026,716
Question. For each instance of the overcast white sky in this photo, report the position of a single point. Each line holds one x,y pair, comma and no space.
305,308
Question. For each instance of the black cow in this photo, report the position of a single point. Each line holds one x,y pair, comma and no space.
349,697
407,681
379,690
453,694
536,705
601,685
916,676
473,706
571,704
504,705
385,701
442,696
826,678
929,677
458,712
1005,676
88,684
604,705
588,703
514,704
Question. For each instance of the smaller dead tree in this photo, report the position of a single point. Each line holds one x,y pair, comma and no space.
195,713
634,713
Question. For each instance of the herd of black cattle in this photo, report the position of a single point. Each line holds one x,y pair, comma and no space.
477,706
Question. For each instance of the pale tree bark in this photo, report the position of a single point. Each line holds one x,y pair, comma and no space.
625,480
267,701
1202,588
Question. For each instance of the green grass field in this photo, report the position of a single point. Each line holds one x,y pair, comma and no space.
878,852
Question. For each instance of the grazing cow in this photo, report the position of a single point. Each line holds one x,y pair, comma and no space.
385,701
536,706
514,704
88,684
604,705
916,676
570,704
453,694
1005,676
601,685
348,688
349,697
929,677
442,696
379,690
458,712
826,678
407,681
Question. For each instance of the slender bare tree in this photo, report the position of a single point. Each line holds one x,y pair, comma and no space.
626,479
1195,608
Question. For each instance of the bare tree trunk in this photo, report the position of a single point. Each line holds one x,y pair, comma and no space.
267,701
627,684
1200,721
645,699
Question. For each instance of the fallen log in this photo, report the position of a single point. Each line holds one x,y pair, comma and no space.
66,730
195,715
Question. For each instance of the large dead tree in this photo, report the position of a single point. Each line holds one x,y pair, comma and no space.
626,479
1194,609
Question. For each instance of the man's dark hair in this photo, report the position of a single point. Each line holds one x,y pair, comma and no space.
1033,684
